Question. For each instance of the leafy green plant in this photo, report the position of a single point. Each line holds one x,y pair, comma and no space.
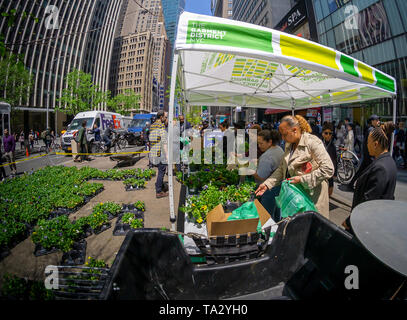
111,207
140,205
94,263
97,219
59,233
130,219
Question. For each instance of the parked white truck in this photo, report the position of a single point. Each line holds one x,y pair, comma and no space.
101,118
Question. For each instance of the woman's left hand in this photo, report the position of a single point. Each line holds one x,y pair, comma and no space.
295,180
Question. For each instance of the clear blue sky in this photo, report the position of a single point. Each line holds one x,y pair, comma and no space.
198,6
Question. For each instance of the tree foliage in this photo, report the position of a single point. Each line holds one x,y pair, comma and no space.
125,102
81,94
15,80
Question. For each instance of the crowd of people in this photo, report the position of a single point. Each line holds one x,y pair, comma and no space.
304,152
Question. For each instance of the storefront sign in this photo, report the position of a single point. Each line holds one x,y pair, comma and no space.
293,19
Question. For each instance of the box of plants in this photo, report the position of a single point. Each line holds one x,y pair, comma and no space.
15,288
12,232
98,222
77,255
198,206
128,221
134,184
137,207
110,208
57,234
89,190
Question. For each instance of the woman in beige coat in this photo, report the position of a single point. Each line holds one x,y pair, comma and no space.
305,161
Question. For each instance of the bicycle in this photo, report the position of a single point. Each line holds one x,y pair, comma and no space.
347,165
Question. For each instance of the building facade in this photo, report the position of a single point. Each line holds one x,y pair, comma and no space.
374,32
261,12
172,9
222,8
132,68
141,18
67,35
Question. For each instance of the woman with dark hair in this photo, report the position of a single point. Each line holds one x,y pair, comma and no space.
349,141
327,138
305,161
378,180
269,161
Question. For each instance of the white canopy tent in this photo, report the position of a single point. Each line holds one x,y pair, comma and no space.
221,62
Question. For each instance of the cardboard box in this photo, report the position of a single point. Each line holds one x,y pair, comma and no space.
217,224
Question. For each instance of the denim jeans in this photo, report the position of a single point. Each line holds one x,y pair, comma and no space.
268,201
160,177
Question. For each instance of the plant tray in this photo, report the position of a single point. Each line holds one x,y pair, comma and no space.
87,232
132,188
103,228
111,216
88,198
121,229
76,256
41,251
4,252
130,208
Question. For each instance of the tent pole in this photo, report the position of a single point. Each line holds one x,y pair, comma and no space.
394,121
292,107
171,139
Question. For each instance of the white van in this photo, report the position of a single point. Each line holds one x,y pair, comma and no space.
101,118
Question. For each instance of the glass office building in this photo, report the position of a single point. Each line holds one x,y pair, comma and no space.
81,37
374,32
172,10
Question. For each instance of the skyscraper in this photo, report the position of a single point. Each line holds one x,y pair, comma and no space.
222,8
138,21
69,34
172,10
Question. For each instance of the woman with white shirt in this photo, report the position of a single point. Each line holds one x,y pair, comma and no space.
349,141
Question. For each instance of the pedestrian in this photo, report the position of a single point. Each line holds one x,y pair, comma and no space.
399,149
349,141
36,137
228,141
21,140
358,138
48,139
327,135
268,142
82,143
9,144
2,170
340,134
305,161
378,180
373,122
108,136
159,152
31,139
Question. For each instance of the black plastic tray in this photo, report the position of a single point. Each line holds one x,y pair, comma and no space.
103,228
133,188
41,251
76,256
121,229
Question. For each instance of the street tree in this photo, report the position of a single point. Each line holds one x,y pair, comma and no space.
15,80
81,94
125,102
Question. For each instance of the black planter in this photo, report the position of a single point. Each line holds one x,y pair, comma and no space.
4,252
132,188
121,229
41,251
76,256
104,227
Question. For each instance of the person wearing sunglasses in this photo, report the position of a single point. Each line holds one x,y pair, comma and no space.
327,138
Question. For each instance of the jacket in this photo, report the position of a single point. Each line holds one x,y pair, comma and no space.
9,143
310,149
377,181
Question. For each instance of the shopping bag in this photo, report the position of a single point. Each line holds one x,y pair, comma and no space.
293,199
246,211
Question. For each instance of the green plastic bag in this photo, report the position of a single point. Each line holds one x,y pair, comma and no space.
247,210
293,199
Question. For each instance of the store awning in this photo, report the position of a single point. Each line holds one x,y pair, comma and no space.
274,111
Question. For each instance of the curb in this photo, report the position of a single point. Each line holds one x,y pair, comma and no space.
341,200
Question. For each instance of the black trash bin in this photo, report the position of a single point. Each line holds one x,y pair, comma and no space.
306,260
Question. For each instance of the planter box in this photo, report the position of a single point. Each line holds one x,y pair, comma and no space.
130,208
132,188
104,227
76,256
4,252
121,229
41,251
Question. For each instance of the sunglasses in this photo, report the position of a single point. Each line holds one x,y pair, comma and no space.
327,132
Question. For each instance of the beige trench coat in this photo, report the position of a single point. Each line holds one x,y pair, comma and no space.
310,149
